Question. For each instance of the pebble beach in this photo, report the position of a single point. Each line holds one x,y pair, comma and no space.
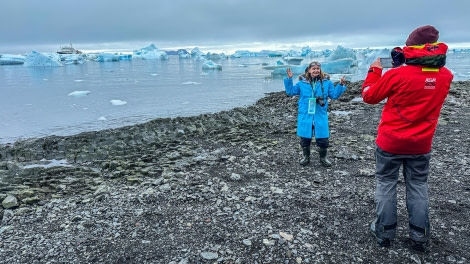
226,188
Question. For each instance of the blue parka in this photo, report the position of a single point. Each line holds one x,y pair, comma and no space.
305,91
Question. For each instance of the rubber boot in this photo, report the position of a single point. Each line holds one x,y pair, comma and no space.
323,160
306,159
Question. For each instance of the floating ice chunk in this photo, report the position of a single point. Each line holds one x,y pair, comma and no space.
79,93
72,58
125,57
242,53
118,102
196,51
155,55
215,56
210,65
277,64
306,51
191,83
183,54
102,118
36,59
107,57
149,47
293,60
150,52
342,53
197,54
9,59
341,66
346,65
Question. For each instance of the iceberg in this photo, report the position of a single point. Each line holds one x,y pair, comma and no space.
242,53
340,66
210,65
275,54
197,54
215,56
150,52
262,53
281,70
107,57
125,57
184,55
339,61
72,58
342,53
9,59
306,51
196,51
36,59
293,60
278,64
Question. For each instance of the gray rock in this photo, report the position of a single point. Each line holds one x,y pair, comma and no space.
10,202
209,255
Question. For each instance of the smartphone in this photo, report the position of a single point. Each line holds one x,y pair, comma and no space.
386,62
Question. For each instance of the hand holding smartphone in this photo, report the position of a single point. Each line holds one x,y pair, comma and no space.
386,62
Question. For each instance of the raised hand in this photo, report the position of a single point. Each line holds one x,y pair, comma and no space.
289,73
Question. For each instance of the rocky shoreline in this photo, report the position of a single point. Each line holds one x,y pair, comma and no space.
225,188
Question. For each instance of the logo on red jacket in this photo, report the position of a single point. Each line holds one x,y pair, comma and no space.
430,83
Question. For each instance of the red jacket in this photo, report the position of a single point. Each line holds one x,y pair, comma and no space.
415,94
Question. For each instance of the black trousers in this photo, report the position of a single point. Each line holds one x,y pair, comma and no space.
321,142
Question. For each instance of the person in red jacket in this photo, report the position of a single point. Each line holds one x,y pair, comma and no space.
414,94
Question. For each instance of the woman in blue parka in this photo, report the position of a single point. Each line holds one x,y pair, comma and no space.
314,88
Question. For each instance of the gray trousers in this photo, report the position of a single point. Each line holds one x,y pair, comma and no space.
415,173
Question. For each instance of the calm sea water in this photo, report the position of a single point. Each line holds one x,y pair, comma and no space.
35,101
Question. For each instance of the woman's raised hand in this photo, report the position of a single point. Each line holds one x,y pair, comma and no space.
289,73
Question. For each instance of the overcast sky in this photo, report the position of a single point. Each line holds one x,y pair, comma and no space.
350,23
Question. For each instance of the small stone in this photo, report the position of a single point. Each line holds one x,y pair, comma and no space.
246,242
10,202
286,236
268,242
209,255
235,177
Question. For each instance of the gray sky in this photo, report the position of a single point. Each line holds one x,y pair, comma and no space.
193,23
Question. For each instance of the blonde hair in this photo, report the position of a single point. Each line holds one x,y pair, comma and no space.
305,75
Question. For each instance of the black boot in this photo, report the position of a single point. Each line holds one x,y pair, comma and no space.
306,159
323,160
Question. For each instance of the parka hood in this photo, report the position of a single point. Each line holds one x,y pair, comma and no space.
428,55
